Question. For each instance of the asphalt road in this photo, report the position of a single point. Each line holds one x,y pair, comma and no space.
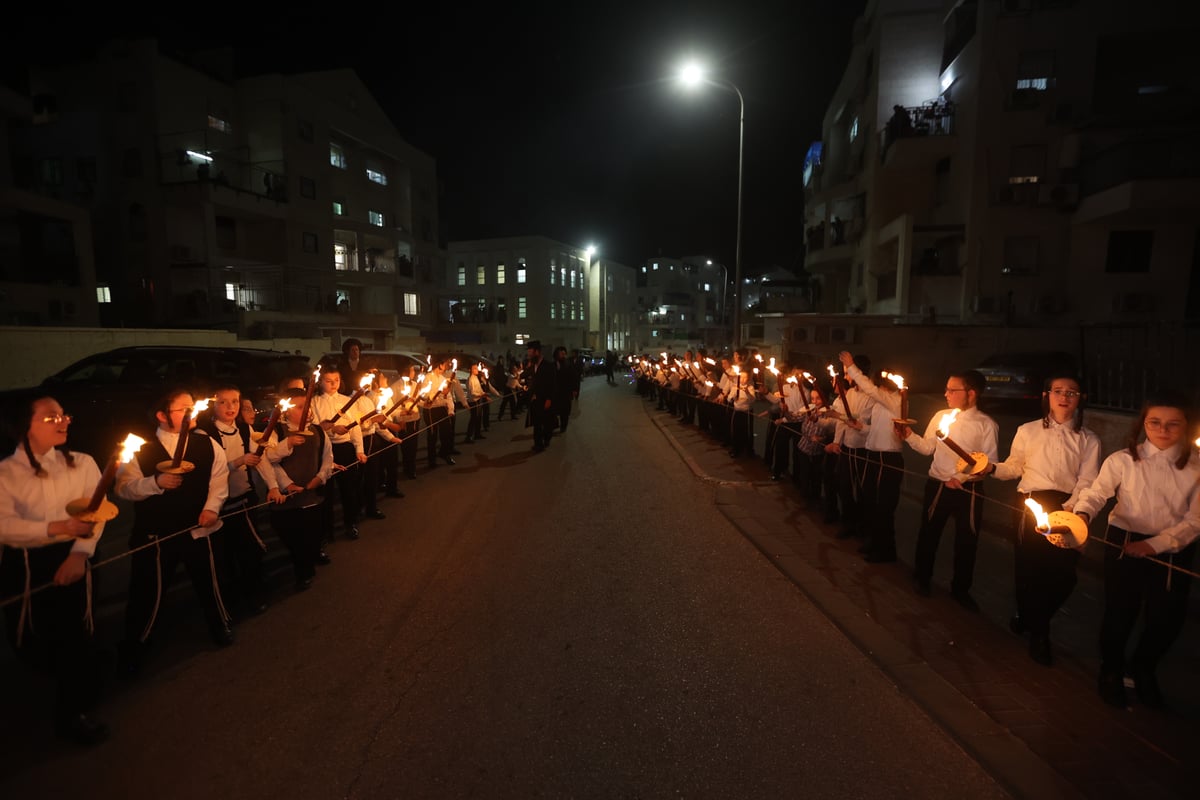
578,623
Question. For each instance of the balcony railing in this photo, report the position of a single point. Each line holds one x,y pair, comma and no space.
1160,157
932,118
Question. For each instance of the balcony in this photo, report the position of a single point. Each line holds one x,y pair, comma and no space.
1141,182
831,248
917,136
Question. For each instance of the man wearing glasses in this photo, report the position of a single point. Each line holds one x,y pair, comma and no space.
950,494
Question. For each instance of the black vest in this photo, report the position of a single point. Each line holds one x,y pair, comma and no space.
174,509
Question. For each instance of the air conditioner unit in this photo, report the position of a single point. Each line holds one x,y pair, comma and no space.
1133,303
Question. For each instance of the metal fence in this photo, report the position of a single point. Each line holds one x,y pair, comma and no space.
1123,364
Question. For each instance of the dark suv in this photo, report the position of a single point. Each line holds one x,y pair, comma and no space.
112,393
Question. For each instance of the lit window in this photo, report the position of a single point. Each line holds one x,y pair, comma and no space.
708,287
500,273
230,291
481,275
656,266
1023,179
103,294
410,304
337,156
572,279
520,274
682,317
553,311
375,218
375,176
854,129
520,308
1035,84
462,275
572,309
341,256
338,209
562,275
552,274
218,124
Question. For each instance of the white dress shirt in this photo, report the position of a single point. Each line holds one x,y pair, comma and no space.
1057,458
133,485
972,430
28,504
860,407
885,407
1153,497
325,406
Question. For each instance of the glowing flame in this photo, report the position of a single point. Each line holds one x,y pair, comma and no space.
425,389
756,370
485,372
385,396
366,381
708,384
896,379
772,364
710,361
1197,442
792,379
285,405
947,421
317,373
832,372
454,365
664,355
1043,519
696,364
758,358
129,448
808,377
201,405
772,370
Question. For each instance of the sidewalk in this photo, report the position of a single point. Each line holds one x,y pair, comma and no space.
1042,732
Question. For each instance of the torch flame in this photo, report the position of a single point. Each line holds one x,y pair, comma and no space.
708,384
454,365
710,361
1043,519
696,364
285,405
771,369
425,389
201,405
832,372
947,421
129,448
366,381
758,357
385,396
317,373
808,377
896,379
792,379
737,370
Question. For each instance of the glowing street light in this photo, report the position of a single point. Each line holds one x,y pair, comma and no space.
692,75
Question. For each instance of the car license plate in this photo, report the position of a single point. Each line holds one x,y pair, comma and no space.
998,379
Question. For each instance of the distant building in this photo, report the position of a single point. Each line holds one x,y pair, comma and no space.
1008,162
682,302
47,275
277,205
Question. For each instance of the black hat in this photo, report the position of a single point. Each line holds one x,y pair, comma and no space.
534,345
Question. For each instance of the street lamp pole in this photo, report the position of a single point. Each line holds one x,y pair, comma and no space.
691,75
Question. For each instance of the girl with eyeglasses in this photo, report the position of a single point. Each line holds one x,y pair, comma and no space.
1055,458
1156,481
43,545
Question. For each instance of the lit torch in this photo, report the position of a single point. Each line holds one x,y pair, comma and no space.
97,508
1061,528
899,381
177,466
970,463
276,412
308,396
841,392
362,388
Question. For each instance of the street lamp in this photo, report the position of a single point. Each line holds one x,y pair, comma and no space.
591,251
692,75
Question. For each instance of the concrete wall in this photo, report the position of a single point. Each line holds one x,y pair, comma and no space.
29,354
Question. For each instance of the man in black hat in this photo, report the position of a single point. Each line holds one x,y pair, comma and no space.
539,377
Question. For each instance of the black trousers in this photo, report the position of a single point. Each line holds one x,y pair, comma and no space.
965,507
562,412
475,420
508,401
55,640
882,477
241,565
848,481
369,473
299,530
346,484
1044,574
1137,586
542,420
439,434
782,447
741,432
144,591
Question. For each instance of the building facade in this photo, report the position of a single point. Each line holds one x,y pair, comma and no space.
1009,161
271,206
681,303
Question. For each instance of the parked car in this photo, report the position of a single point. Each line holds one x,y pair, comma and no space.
112,393
392,363
1019,376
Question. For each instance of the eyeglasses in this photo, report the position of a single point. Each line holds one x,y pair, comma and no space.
55,419
1070,394
1159,425
952,391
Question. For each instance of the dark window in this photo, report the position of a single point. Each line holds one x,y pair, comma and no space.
885,286
131,163
308,241
1129,251
127,96
1021,255
308,187
85,168
304,129
137,222
226,230
51,172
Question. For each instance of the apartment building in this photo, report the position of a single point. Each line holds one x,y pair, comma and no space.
276,205
682,302
1010,161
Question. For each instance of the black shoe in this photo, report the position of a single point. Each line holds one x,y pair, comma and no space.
323,559
1148,691
1017,625
1039,649
376,514
450,460
1112,689
82,730
880,557
965,600
921,587
352,533
222,635
303,584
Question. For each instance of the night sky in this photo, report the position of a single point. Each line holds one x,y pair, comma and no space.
556,118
